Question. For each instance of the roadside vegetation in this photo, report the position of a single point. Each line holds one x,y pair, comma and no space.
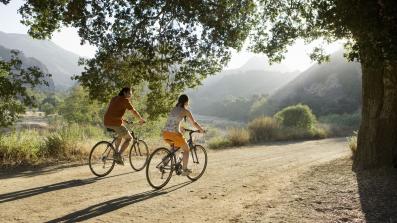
74,125
295,122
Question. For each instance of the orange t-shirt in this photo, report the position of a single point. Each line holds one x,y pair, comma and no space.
116,110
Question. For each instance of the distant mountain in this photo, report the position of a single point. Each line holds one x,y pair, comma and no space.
61,63
5,54
244,82
333,87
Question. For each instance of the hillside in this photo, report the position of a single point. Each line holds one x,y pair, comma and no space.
61,63
5,54
333,87
239,83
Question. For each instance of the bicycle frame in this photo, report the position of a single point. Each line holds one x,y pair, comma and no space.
173,151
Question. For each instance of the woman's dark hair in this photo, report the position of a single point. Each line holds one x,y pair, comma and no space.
182,100
124,91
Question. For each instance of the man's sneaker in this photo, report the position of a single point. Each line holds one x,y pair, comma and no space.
186,172
119,159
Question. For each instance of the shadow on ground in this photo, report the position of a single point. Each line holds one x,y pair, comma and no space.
34,170
115,204
378,194
16,195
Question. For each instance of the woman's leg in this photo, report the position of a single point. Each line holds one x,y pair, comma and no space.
185,159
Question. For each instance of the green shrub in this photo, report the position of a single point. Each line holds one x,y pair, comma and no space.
238,136
218,143
341,125
351,120
263,129
296,116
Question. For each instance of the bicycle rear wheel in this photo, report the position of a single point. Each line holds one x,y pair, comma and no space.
159,168
138,156
101,161
198,162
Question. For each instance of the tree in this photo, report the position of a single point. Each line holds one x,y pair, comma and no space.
370,28
14,81
169,45
78,108
173,44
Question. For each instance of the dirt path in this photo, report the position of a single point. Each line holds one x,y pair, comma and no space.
237,183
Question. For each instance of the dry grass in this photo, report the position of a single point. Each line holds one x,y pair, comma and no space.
264,129
238,136
352,142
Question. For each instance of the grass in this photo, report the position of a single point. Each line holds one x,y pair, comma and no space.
238,136
352,142
264,129
69,142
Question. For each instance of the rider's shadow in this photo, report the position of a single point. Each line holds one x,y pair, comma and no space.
115,204
48,188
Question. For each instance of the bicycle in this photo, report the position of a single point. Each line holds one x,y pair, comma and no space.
101,158
163,162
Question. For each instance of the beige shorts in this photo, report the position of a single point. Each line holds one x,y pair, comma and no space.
121,131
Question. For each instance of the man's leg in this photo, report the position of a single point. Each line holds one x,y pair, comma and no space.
127,140
117,143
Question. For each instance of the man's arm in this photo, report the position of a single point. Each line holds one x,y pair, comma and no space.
135,112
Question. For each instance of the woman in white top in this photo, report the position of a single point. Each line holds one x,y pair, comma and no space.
172,132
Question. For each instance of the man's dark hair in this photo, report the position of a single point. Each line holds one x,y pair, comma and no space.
124,91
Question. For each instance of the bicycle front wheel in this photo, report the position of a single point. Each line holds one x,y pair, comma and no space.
138,156
198,162
101,161
159,168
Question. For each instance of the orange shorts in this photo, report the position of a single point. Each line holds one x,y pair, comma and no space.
177,138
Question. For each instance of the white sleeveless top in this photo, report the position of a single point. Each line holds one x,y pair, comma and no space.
174,119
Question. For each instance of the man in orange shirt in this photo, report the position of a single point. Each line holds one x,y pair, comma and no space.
114,120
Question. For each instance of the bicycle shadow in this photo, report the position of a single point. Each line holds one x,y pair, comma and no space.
16,195
115,204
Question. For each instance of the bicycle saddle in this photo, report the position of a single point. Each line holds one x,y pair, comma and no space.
110,130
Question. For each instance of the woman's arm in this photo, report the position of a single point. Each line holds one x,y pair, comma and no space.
193,121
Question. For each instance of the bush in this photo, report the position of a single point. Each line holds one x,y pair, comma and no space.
69,142
263,129
352,143
218,143
20,147
238,136
296,116
341,124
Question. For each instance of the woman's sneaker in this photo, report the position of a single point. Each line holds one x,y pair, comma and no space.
186,172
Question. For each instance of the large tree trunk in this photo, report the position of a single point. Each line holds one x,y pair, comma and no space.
377,139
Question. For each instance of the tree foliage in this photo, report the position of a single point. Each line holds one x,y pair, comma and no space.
14,81
363,24
169,45
78,108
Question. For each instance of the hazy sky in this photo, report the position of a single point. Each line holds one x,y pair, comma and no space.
296,58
